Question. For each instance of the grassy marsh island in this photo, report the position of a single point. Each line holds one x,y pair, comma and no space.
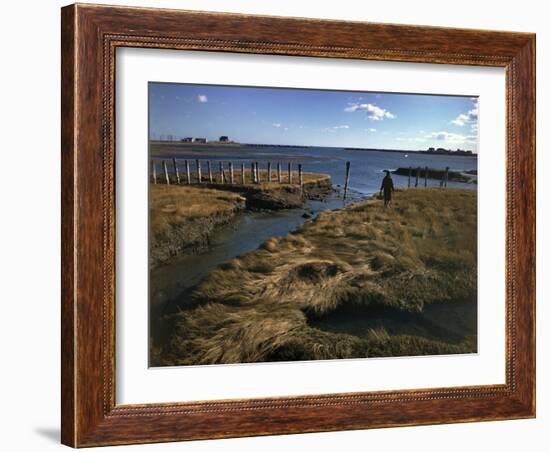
184,217
360,281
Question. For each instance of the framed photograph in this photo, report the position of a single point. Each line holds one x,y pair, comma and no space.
282,225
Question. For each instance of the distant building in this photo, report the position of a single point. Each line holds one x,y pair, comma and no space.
187,139
224,139
199,140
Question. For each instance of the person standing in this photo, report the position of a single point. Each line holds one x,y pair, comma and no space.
387,188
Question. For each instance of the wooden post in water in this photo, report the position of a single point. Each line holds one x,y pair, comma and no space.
410,171
446,176
222,179
258,175
199,173
269,171
187,172
417,174
426,176
165,169
154,171
231,174
289,172
301,176
346,184
210,178
243,180
279,172
176,170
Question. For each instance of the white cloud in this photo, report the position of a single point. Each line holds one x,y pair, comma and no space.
334,128
202,98
468,118
276,124
474,111
374,113
371,130
460,120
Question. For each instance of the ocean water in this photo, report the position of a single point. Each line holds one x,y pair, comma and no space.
367,167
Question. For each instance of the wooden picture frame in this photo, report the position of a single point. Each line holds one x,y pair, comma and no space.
90,36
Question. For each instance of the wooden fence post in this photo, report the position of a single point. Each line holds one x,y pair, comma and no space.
165,169
210,177
231,174
410,171
243,180
279,172
176,170
222,179
199,173
426,176
187,172
289,172
446,176
258,175
346,184
269,171
253,172
417,174
154,171
300,176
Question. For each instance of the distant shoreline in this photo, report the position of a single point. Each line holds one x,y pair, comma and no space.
235,145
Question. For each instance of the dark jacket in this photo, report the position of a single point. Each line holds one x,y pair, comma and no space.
387,186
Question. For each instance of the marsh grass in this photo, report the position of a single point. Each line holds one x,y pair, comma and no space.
182,217
258,306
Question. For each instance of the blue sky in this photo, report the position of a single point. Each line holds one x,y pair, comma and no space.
313,117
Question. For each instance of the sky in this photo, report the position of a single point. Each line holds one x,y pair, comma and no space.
286,116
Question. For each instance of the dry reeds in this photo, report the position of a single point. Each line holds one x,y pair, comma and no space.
256,307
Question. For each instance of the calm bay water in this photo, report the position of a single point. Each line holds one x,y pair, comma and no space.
366,166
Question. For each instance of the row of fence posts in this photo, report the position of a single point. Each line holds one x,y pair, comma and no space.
256,177
442,183
255,171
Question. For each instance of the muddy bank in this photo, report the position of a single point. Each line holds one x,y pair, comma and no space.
182,219
274,196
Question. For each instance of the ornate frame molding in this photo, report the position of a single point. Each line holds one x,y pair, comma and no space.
90,36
